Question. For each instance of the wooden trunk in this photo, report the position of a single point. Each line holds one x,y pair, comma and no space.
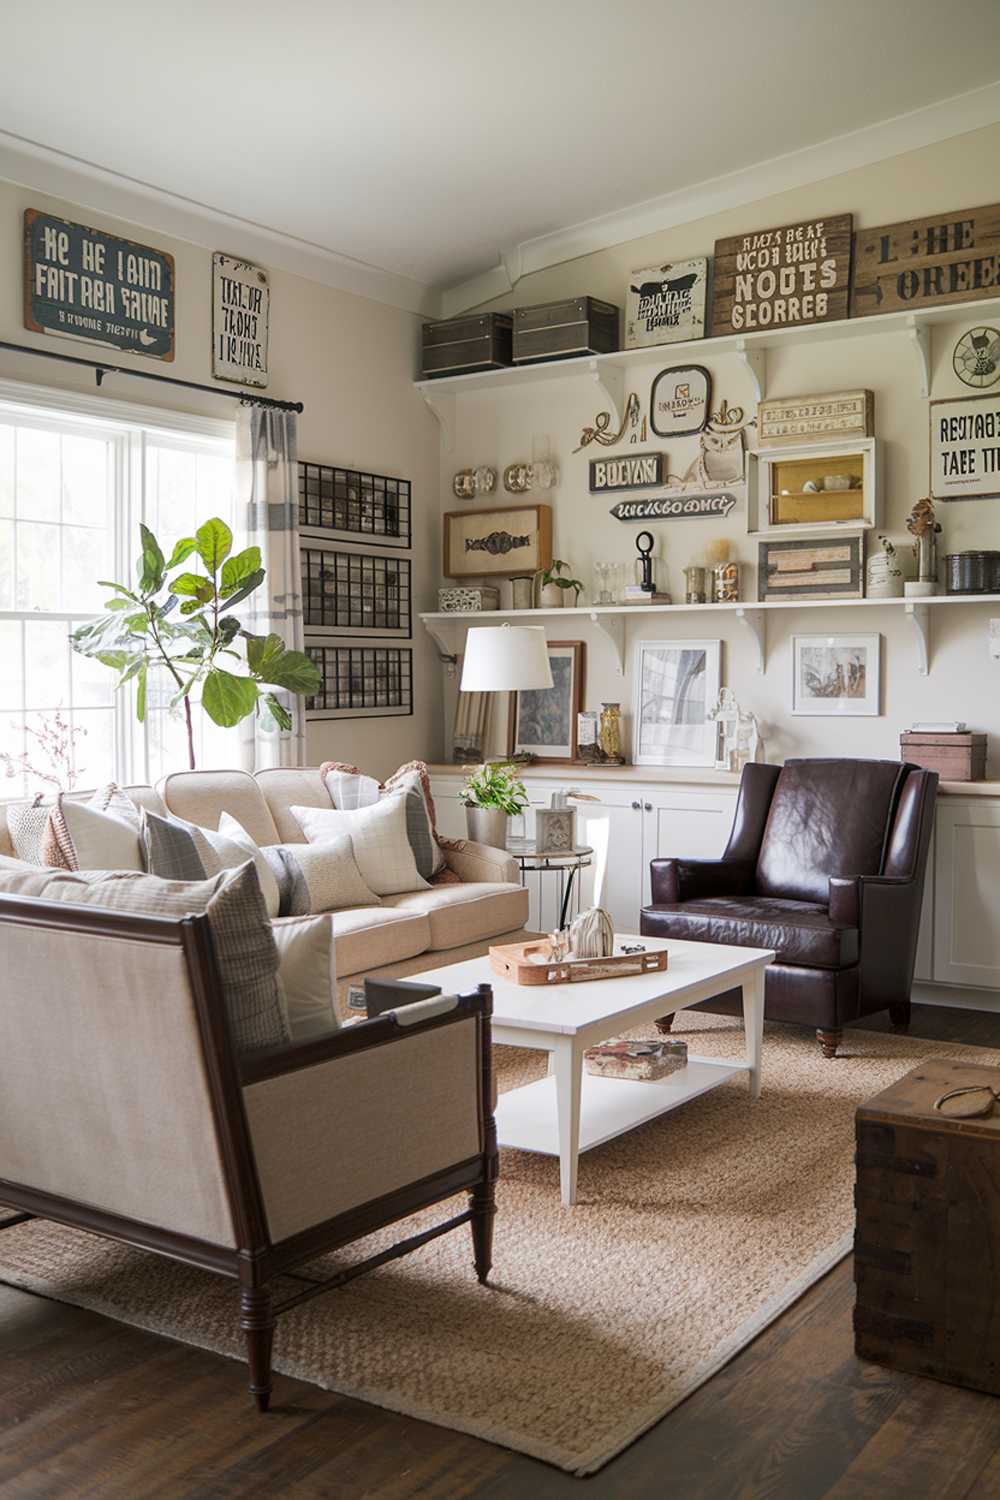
928,1229
463,346
560,330
955,757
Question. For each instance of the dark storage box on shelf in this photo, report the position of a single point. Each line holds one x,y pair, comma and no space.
560,330
955,757
464,346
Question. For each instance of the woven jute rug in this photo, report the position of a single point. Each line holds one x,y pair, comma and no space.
691,1234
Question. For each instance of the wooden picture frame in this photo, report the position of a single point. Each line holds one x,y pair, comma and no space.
550,712
501,543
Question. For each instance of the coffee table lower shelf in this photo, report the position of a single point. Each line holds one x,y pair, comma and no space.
527,1117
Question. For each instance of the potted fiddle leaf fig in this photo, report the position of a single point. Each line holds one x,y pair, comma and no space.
184,626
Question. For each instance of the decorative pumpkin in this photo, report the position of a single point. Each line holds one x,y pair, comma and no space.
592,934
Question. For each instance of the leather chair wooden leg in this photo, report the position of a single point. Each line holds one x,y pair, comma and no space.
665,1023
257,1323
830,1040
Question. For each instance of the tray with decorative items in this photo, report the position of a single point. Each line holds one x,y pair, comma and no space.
540,962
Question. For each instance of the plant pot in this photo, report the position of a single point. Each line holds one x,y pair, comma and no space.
550,596
487,825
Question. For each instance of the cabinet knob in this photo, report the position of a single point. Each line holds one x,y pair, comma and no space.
637,807
648,806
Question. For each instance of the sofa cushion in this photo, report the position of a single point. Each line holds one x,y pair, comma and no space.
203,796
285,786
460,914
178,850
99,834
317,877
379,835
369,937
800,932
307,970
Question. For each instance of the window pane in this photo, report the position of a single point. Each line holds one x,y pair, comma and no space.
6,563
37,566
38,475
6,470
86,558
10,665
86,494
93,746
47,649
12,780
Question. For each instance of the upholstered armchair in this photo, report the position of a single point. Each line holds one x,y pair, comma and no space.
825,864
124,1110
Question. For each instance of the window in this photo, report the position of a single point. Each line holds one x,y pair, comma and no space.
73,488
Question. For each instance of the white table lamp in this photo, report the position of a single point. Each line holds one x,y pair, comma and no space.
505,659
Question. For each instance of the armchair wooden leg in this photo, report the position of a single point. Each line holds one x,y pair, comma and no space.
484,1210
665,1023
829,1040
257,1322
899,1014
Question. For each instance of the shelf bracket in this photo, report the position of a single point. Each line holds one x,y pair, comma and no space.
920,614
755,621
442,405
755,361
444,634
613,626
919,337
611,379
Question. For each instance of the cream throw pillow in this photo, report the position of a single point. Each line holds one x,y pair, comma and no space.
308,974
379,837
178,850
102,834
317,877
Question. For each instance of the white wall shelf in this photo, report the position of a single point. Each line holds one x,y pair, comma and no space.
447,628
610,370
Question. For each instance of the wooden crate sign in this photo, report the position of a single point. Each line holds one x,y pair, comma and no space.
636,471
952,257
82,283
794,419
779,278
241,317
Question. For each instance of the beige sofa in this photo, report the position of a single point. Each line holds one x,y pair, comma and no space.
390,939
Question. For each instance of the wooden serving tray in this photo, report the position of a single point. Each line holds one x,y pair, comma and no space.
513,963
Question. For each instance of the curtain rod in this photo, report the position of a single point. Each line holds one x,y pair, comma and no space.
247,398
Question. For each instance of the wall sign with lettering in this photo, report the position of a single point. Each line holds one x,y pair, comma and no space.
674,507
680,401
85,284
951,257
241,316
965,448
637,471
666,303
778,278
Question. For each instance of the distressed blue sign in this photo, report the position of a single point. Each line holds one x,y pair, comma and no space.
87,284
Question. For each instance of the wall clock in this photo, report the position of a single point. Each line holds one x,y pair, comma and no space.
976,359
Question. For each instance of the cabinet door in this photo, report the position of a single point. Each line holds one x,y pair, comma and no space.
683,824
924,967
614,827
967,893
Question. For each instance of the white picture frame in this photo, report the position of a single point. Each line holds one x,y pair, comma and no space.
836,676
676,683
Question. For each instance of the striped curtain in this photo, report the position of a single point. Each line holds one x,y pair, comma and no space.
268,491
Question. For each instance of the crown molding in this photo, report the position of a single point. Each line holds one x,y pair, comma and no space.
844,153
59,175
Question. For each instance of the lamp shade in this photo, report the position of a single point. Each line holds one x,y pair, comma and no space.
505,659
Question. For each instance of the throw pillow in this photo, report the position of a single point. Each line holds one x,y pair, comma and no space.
350,789
378,834
244,943
307,970
178,850
317,877
69,835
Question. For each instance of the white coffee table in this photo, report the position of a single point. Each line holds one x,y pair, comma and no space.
571,1110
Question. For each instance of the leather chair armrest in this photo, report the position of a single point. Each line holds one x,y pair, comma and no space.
890,925
845,901
475,862
673,880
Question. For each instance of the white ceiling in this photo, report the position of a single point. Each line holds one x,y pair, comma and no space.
427,137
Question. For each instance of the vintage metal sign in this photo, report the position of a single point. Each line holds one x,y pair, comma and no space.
965,448
82,283
952,257
636,471
674,507
241,317
778,278
666,303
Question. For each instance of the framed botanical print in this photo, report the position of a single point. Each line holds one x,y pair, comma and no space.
836,675
542,721
676,683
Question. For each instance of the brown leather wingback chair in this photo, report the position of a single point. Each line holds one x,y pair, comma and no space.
825,864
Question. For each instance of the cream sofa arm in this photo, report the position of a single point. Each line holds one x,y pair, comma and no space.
368,1111
473,862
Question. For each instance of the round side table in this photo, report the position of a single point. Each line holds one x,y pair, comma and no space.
564,865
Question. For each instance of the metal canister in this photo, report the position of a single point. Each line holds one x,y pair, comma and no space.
972,573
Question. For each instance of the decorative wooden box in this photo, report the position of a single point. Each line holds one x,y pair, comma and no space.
463,346
925,1252
459,600
955,757
560,330
791,494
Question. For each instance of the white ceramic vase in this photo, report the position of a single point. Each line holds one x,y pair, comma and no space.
550,596
487,825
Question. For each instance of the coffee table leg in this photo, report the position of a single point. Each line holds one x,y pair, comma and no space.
567,1064
753,1028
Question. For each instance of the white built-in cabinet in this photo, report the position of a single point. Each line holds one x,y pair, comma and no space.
967,892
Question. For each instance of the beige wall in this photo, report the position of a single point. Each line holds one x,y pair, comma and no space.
500,428
350,360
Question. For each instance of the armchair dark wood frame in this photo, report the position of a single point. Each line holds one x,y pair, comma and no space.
255,1260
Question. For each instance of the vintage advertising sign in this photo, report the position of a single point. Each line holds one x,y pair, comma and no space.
680,401
241,318
779,278
637,471
965,448
674,507
666,303
792,419
85,284
951,257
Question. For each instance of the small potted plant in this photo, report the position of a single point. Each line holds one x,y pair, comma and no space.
552,587
492,794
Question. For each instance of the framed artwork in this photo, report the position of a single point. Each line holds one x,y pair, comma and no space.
836,676
965,448
811,568
345,505
542,721
500,543
680,401
676,683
